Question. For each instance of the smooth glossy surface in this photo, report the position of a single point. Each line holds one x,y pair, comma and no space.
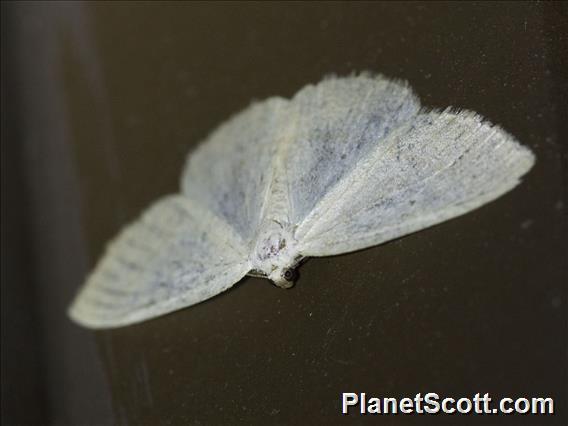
475,305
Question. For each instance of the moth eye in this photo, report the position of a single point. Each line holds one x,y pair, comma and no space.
289,274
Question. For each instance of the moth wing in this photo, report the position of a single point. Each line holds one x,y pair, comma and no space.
231,172
439,166
335,124
176,255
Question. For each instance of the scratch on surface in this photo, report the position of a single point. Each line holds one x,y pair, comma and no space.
340,361
331,333
143,377
88,56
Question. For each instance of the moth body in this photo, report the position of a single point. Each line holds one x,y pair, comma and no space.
276,255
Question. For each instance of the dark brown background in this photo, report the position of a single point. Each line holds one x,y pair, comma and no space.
101,103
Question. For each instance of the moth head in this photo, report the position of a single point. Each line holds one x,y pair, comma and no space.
283,277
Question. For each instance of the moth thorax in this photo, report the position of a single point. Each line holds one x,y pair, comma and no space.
271,246
274,255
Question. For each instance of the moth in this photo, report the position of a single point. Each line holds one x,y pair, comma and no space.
346,164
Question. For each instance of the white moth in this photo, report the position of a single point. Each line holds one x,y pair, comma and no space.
346,164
